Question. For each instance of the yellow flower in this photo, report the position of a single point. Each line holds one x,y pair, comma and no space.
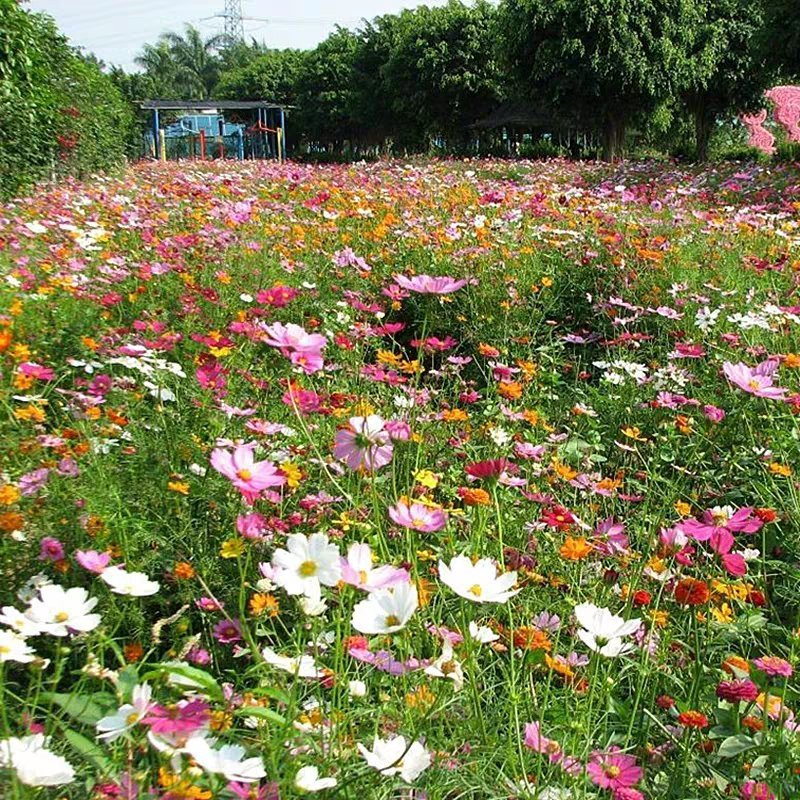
784,470
293,474
232,548
684,509
264,604
659,618
426,478
388,358
179,487
30,414
632,432
722,614
547,281
9,495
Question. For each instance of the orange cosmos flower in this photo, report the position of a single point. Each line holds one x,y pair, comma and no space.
575,548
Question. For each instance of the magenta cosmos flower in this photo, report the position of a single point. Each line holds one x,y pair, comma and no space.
249,476
303,349
418,516
613,769
365,444
719,524
428,284
185,716
756,380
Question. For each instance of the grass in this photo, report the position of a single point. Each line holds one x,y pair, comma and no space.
573,374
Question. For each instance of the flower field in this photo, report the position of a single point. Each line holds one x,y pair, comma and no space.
439,480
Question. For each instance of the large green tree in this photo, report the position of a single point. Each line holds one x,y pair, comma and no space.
717,62
272,75
601,61
440,72
780,40
186,65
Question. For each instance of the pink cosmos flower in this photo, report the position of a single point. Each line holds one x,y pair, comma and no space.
228,631
427,284
36,371
51,549
249,476
184,717
541,744
303,349
365,444
357,570
756,380
92,560
613,769
752,790
418,516
713,413
718,524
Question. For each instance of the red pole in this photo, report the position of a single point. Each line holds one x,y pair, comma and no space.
203,145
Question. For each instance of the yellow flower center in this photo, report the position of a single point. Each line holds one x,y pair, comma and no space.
62,616
308,569
132,718
754,384
475,590
613,771
362,576
392,620
244,474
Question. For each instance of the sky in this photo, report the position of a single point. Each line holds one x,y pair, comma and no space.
115,30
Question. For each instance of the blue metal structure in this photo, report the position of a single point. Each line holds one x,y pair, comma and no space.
222,138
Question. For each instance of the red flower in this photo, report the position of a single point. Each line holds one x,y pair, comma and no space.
693,719
692,592
642,598
558,517
487,469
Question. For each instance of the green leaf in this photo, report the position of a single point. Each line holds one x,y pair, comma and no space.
188,676
260,713
734,745
91,751
85,709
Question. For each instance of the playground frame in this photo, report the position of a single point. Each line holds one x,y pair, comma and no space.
262,109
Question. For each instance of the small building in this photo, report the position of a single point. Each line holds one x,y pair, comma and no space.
239,129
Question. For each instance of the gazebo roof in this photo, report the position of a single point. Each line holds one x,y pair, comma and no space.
207,105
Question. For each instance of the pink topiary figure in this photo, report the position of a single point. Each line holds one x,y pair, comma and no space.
787,109
757,135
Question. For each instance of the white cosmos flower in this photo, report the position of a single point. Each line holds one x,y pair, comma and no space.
18,622
386,610
395,757
603,631
126,716
227,760
357,689
478,582
447,667
308,780
301,667
306,563
58,611
134,584
34,764
482,634
13,647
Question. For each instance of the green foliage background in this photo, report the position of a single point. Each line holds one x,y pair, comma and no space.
60,115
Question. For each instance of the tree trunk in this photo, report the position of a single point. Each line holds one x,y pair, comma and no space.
614,138
703,125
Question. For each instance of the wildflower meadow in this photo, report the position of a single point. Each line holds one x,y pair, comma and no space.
444,480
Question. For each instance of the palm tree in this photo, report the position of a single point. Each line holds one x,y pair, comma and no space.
196,65
160,69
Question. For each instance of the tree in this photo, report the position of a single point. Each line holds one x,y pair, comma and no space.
441,74
186,64
717,62
59,113
326,91
603,60
271,75
780,40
